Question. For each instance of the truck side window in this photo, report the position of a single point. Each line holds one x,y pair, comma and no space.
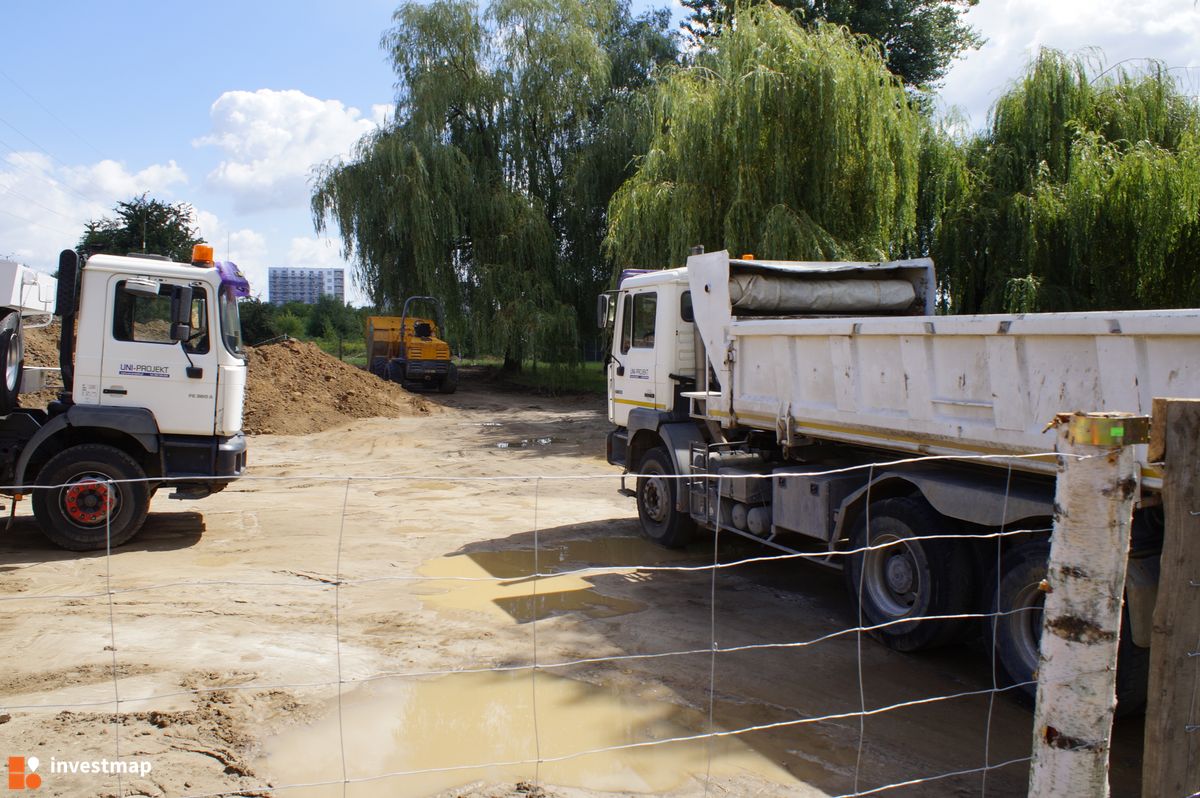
147,320
685,307
626,324
645,307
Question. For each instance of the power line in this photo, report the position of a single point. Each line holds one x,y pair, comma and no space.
38,224
51,114
40,173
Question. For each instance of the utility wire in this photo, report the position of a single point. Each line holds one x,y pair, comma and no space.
51,114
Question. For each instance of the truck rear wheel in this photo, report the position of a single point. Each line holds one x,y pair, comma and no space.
656,495
906,577
93,507
12,357
1017,630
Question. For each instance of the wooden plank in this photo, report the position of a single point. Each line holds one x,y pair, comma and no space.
1171,764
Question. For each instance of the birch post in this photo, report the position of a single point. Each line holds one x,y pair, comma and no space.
1084,587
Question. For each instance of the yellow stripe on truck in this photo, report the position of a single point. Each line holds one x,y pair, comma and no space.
634,403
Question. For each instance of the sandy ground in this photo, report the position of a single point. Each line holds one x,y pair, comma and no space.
229,634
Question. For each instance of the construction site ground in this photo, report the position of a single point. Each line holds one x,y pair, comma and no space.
354,558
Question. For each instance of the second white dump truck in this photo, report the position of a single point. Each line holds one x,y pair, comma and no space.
765,381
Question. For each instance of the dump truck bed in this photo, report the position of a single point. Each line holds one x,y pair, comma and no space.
942,385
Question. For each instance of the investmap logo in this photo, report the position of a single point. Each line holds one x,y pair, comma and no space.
23,770
22,773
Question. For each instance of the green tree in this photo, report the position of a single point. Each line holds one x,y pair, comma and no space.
490,187
919,38
1084,193
258,321
143,225
330,317
781,141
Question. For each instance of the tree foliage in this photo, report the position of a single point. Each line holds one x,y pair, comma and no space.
1084,193
919,38
143,225
781,141
489,188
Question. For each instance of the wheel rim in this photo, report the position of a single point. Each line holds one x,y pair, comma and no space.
1024,623
892,578
656,499
88,500
12,364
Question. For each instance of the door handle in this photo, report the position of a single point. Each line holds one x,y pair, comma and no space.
649,396
116,391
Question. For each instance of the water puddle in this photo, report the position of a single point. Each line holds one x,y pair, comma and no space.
525,443
508,591
460,723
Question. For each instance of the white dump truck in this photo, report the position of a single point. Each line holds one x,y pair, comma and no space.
153,377
765,381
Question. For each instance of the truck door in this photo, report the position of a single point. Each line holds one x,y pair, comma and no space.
632,374
142,367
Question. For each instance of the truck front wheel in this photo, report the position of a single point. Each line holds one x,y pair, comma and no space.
902,576
656,494
449,383
93,506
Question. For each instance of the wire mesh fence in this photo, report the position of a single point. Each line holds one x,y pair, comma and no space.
545,644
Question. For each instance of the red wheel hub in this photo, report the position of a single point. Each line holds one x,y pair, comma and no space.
88,500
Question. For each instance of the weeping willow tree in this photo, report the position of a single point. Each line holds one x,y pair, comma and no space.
781,141
489,187
1084,193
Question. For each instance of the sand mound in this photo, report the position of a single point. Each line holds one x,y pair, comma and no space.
293,388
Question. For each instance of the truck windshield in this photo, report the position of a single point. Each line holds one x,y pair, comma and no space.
231,323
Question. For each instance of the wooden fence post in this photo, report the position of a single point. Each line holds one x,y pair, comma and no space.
1171,763
1085,583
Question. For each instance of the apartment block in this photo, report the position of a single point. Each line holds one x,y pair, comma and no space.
286,284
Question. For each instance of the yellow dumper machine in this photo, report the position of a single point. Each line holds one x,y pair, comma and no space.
406,348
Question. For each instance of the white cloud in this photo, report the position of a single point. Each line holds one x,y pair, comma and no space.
1166,30
271,141
44,206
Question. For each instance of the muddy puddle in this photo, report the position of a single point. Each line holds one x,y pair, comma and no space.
524,443
480,727
506,589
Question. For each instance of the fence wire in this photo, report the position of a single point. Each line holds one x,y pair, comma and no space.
340,583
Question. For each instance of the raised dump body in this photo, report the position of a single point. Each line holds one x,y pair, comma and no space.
772,399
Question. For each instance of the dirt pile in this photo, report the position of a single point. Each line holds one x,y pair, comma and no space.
293,388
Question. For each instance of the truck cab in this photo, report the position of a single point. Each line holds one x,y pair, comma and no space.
154,378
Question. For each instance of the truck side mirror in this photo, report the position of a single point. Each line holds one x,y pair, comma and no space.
606,310
181,312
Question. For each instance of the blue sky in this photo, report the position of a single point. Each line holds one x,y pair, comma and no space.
228,105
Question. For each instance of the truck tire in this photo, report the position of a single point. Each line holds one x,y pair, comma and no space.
1017,634
396,370
911,578
12,360
73,516
656,494
449,383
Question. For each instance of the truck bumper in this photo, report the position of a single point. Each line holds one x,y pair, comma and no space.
214,462
231,456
